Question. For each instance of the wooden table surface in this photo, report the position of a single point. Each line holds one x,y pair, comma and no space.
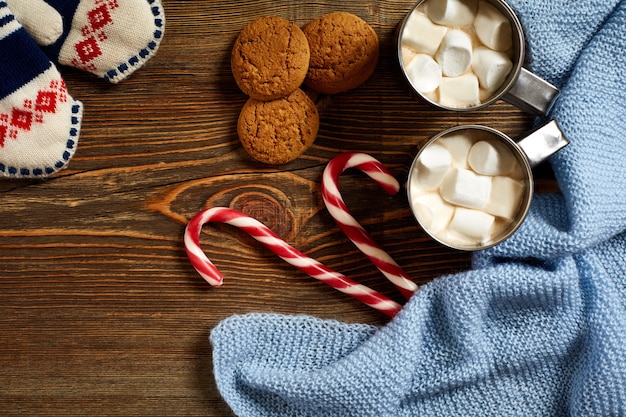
100,311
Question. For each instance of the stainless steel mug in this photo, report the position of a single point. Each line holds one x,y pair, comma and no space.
470,187
419,36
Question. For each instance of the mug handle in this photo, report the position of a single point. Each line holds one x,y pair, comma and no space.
542,142
531,93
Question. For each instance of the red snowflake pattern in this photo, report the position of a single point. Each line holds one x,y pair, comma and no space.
94,32
33,110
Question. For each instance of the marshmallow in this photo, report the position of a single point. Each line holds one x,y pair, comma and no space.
473,224
432,165
455,53
452,12
506,195
421,34
459,145
407,55
491,158
491,67
424,73
460,91
462,187
432,211
493,28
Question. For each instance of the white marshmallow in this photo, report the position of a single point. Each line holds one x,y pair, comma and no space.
455,53
432,211
407,55
464,188
452,12
432,165
506,195
491,67
460,91
424,73
473,224
459,145
493,28
491,158
421,34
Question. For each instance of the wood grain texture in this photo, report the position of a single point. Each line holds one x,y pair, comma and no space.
100,311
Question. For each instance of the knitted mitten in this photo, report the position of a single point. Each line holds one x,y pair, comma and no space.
39,19
39,121
537,328
109,38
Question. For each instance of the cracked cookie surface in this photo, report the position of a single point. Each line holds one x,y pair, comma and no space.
344,52
270,58
278,131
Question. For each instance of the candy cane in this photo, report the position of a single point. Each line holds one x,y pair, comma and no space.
355,232
288,253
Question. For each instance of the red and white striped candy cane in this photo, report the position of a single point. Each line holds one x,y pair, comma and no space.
288,253
355,232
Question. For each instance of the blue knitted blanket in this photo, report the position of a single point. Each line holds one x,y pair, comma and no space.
536,328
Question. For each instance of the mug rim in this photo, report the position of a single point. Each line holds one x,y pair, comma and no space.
528,182
519,51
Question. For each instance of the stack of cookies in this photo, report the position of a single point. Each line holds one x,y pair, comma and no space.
272,58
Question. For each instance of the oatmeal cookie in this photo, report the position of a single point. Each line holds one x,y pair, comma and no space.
278,131
344,52
270,58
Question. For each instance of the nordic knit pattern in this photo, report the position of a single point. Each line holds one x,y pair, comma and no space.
536,328
39,120
109,38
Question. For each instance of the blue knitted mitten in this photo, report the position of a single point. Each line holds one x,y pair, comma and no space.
109,38
536,328
39,121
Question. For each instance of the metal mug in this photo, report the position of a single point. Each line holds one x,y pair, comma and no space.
521,87
528,151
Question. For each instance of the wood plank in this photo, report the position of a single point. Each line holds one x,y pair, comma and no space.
100,311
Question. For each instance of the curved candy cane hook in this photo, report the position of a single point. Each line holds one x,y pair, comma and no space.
288,253
355,232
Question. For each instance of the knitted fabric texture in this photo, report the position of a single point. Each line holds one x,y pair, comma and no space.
39,120
108,38
536,328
